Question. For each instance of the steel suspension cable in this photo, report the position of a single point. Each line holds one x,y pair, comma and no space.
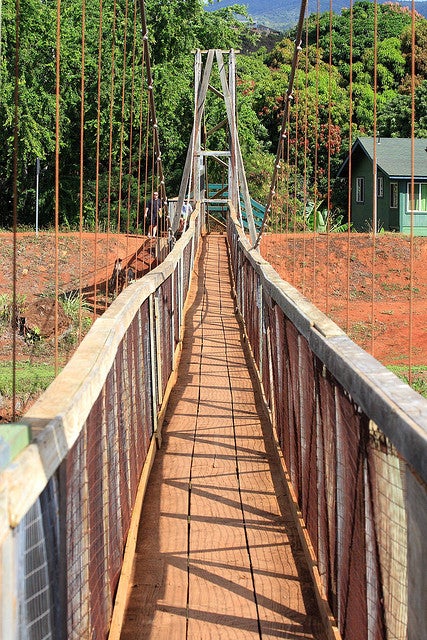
374,181
295,166
57,148
138,217
147,151
288,175
111,127
122,122
152,106
282,136
15,318
1,38
305,147
316,145
157,165
350,143
130,167
82,122
281,180
329,159
154,177
412,199
141,104
98,152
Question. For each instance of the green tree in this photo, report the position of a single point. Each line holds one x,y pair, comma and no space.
395,115
36,98
419,53
112,107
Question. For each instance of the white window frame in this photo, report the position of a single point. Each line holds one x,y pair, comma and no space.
360,189
380,187
394,195
417,196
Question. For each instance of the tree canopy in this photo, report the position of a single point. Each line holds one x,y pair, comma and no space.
105,63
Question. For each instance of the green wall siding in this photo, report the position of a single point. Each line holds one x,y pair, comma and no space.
388,219
420,219
361,212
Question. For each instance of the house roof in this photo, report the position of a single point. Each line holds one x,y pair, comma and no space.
393,156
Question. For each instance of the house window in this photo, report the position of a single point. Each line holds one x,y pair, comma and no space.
380,187
419,200
394,195
360,189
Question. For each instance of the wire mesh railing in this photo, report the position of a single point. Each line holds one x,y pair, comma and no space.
67,499
354,443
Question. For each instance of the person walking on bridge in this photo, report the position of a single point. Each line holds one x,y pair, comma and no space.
153,211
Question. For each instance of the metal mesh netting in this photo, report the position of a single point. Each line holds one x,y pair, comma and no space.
349,480
68,549
36,607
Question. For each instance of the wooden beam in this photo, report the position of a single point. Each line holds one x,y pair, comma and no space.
236,151
199,109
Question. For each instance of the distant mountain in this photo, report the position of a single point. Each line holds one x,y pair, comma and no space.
283,14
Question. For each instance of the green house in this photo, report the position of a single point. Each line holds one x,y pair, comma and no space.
401,184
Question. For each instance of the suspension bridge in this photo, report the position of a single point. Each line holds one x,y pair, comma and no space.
218,459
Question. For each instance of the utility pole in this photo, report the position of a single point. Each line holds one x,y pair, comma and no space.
37,194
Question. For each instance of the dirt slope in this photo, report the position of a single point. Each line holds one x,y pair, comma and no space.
385,312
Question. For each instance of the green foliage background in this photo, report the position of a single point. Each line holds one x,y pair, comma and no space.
176,28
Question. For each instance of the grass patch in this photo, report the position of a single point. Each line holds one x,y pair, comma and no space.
31,379
419,377
6,307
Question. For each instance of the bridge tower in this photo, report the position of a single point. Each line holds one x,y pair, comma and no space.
194,181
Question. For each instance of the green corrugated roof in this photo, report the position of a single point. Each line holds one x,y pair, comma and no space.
394,156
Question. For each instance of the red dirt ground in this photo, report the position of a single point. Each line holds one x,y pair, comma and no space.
335,272
91,256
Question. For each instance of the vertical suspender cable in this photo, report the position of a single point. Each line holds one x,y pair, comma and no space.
15,206
130,168
57,145
82,120
154,177
305,147
141,105
283,184
288,97
122,123
288,174
281,180
350,143
1,25
147,149
98,142
316,144
152,107
412,199
329,159
296,186
157,168
111,123
374,181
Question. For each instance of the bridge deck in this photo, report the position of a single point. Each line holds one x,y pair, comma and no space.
217,553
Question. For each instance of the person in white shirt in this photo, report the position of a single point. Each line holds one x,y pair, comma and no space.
186,210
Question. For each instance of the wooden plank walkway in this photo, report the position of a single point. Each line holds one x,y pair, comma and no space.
217,554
